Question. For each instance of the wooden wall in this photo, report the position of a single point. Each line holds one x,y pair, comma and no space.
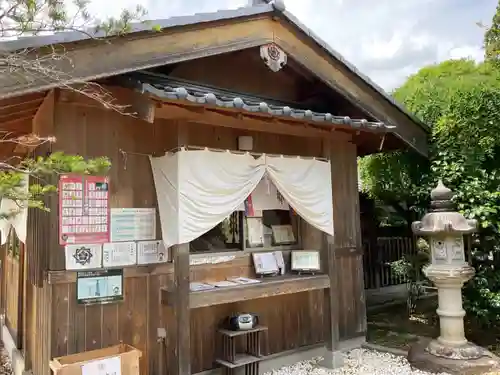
295,320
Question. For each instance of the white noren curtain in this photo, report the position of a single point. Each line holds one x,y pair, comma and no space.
306,184
20,218
198,189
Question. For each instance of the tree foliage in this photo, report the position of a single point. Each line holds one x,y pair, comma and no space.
492,38
461,101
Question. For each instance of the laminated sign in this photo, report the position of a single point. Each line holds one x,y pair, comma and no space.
84,216
107,366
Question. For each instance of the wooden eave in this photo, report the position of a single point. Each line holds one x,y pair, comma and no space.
18,117
94,59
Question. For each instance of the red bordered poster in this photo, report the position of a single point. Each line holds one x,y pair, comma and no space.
84,214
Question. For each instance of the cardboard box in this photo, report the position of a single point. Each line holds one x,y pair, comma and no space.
120,359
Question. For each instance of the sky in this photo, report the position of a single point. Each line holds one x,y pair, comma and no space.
387,40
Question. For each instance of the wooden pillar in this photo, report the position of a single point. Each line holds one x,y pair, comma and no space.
180,254
343,254
181,308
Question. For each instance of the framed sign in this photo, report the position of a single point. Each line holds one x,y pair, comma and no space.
103,286
265,263
83,257
83,209
305,261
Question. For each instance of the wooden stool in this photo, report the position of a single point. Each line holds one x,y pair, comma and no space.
250,358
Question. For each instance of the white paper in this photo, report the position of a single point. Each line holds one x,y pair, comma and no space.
280,261
107,366
133,224
255,231
222,283
196,286
119,254
83,257
243,280
149,252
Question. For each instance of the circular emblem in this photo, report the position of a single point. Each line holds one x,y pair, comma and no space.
82,255
274,52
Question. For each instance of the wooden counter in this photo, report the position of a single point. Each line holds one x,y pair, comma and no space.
269,287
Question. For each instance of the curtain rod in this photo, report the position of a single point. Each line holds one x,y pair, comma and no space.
199,148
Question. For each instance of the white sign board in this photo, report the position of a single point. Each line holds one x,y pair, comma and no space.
149,252
83,257
119,254
133,224
106,366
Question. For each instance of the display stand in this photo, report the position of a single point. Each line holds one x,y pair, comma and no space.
250,358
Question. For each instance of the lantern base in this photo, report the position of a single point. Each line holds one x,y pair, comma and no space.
469,359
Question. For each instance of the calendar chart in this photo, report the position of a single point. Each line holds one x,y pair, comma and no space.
84,215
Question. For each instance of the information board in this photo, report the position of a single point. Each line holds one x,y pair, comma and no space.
118,254
83,209
133,224
103,286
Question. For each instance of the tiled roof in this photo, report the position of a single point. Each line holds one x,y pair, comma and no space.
172,90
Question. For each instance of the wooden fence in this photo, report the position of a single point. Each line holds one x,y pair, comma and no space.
377,261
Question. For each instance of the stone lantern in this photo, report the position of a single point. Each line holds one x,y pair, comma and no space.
445,228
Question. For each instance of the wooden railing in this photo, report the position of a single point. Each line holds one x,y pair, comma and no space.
377,261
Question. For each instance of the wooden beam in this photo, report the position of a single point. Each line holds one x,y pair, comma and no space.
182,313
20,125
43,121
18,115
245,121
330,266
268,288
12,108
345,254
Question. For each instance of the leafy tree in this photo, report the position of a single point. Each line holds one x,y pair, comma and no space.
461,101
35,17
492,38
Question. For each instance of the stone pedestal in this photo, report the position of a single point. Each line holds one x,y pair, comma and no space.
449,281
420,357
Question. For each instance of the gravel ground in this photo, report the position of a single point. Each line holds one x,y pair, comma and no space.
5,368
357,362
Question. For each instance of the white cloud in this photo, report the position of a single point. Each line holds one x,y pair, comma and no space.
386,39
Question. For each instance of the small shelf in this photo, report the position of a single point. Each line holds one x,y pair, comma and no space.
239,360
229,333
268,287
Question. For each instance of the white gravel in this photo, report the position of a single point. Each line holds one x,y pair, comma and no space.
357,362
5,368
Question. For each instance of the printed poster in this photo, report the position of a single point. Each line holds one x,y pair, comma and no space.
83,210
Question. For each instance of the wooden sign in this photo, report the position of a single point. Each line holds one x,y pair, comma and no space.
83,209
119,254
103,286
83,257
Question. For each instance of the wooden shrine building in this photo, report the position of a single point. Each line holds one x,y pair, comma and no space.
246,80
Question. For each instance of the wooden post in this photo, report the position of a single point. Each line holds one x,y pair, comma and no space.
181,308
345,310
181,290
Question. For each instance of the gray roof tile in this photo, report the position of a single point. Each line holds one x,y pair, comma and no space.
172,91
